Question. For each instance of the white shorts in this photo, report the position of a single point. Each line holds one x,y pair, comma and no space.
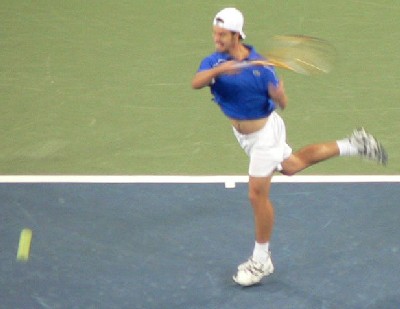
267,148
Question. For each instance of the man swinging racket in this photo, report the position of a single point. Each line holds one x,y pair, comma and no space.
248,96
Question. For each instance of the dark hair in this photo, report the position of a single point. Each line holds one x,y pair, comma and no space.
240,36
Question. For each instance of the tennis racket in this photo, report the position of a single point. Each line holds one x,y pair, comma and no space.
299,53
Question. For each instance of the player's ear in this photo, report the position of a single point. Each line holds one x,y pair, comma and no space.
236,35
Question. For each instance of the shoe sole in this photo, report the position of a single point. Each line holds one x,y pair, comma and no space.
253,283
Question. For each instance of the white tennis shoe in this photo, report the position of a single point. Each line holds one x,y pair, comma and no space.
368,146
251,272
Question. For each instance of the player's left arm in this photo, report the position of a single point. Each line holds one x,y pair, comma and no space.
278,94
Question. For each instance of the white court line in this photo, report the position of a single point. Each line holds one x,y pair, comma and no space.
192,179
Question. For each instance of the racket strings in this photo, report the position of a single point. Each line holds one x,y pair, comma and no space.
302,54
312,66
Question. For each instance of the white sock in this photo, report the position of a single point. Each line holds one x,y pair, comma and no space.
261,252
346,148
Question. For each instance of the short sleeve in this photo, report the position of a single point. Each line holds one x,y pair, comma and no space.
271,75
206,64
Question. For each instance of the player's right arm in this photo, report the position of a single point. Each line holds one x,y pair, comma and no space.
205,77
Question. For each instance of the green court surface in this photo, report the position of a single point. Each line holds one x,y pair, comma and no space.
103,87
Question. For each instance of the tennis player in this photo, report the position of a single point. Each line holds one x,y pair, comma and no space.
248,97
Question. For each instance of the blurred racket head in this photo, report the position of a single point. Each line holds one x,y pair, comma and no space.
302,54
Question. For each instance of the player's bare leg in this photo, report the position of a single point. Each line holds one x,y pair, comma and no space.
358,143
259,265
259,188
308,156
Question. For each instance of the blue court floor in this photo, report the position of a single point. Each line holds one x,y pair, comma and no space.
335,245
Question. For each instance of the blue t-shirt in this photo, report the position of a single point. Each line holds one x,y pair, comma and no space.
242,96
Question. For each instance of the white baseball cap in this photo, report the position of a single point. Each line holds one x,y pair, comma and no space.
230,19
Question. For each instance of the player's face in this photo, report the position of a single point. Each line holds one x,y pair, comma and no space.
224,39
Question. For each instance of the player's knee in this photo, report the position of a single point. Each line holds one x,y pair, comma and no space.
252,196
255,193
293,166
288,172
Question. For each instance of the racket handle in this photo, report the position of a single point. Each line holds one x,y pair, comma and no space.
243,64
246,64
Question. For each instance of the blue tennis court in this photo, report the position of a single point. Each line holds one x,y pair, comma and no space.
335,245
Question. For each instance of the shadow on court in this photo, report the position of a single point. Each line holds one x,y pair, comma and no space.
177,246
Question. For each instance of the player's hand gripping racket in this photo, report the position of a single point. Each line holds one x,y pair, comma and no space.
299,53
